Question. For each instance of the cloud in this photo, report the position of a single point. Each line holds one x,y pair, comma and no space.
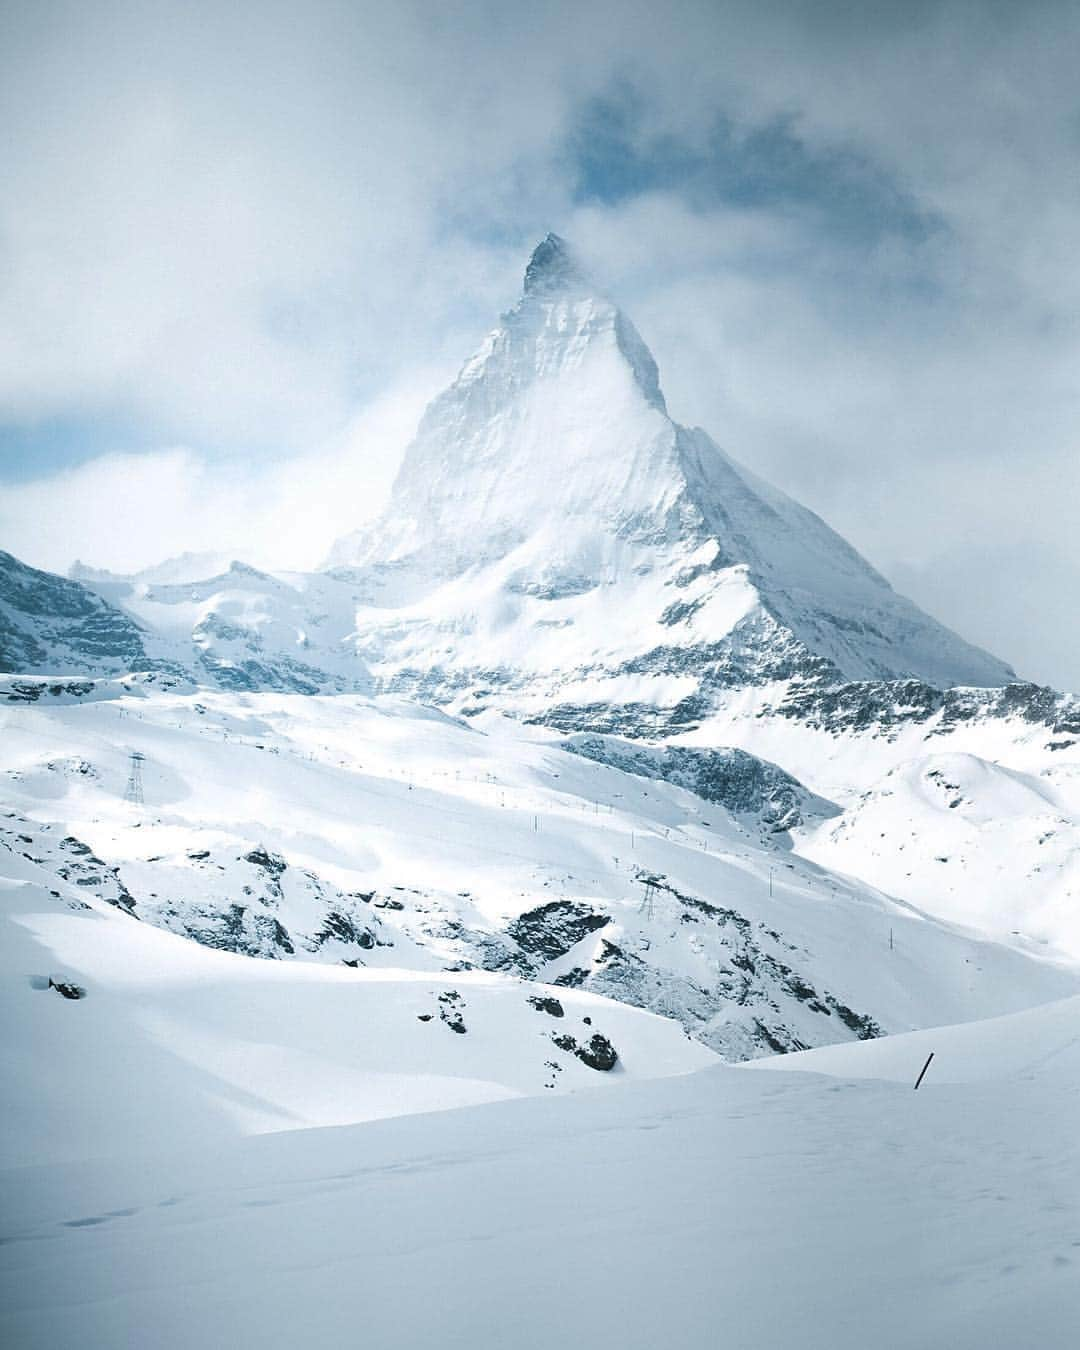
847,229
126,511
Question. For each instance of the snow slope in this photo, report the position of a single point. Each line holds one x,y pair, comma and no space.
1026,1045
390,835
973,841
175,1045
832,1210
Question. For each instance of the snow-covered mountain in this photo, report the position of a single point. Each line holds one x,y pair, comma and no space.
239,628
554,536
555,545
558,549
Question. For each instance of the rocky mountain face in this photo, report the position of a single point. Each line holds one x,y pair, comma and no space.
52,625
238,629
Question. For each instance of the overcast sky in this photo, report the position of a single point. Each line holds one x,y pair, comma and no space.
241,245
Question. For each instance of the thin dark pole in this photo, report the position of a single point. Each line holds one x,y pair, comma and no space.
918,1080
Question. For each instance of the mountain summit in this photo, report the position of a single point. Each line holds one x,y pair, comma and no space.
552,527
555,545
553,267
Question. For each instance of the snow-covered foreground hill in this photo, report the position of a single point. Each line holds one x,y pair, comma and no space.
120,1038
383,835
831,1210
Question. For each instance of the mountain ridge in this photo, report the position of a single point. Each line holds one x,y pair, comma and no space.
550,470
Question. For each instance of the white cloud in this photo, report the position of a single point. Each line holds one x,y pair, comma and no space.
231,226
127,511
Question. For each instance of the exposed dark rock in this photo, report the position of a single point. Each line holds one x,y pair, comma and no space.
551,930
270,862
67,989
885,705
545,1003
597,1053
776,1039
743,783
451,1007
237,929
344,929
30,691
49,621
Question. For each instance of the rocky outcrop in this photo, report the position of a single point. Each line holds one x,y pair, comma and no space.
60,627
752,789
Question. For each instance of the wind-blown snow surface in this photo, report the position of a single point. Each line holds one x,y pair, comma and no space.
832,1210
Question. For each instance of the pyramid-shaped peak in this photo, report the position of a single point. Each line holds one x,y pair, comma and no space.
553,266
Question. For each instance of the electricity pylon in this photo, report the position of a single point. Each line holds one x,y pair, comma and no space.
134,791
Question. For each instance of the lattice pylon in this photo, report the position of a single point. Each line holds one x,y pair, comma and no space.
134,791
648,900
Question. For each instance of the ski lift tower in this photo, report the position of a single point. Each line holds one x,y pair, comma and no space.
648,900
134,790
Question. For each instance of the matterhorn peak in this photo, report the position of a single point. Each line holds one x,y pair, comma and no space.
550,515
553,266
562,307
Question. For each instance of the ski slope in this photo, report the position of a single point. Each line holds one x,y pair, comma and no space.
391,836
833,1210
